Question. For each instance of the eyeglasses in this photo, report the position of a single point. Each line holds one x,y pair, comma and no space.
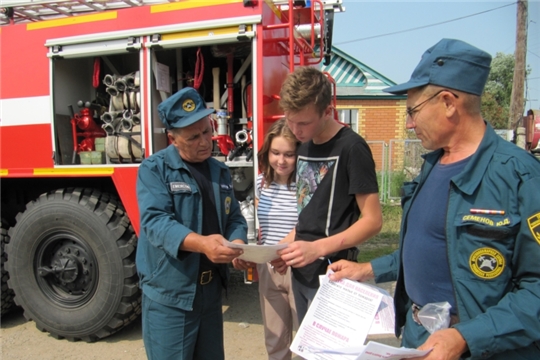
410,112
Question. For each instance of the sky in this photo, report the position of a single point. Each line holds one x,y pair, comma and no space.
383,34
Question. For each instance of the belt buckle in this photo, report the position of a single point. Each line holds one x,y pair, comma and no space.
206,277
415,309
454,319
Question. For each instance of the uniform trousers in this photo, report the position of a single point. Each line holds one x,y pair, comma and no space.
303,297
173,333
278,311
414,334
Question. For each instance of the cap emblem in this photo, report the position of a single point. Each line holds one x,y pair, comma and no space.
188,105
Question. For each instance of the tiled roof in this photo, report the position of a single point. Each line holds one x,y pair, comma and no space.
354,78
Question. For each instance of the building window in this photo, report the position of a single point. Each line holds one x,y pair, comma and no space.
349,117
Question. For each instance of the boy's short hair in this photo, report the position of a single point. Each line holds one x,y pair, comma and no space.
303,87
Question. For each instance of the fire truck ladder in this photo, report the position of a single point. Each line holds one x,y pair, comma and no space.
310,27
16,11
309,22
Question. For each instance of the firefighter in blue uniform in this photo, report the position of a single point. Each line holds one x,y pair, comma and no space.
470,232
187,210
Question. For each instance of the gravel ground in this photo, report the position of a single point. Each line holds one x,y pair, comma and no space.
244,338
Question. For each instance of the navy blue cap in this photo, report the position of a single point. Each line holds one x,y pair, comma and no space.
452,64
182,109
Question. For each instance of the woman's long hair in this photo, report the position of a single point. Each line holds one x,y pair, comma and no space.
279,128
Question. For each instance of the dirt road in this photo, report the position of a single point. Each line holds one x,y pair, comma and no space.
244,340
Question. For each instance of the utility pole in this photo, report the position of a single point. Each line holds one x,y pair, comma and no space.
517,101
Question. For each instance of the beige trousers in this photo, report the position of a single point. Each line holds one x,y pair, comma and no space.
278,311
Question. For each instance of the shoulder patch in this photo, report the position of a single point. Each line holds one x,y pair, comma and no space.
487,263
534,226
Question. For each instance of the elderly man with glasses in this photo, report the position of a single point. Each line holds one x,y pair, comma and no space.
470,232
188,209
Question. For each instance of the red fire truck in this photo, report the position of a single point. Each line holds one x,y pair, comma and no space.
532,131
81,81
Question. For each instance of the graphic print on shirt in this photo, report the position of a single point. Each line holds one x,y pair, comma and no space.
310,173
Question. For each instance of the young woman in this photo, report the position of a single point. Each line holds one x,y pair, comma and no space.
277,213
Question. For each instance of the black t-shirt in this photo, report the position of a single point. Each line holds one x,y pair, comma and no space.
210,224
328,177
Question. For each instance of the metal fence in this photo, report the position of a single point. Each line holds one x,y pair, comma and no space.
379,149
396,163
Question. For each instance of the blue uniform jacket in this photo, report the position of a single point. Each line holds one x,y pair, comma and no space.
494,259
170,206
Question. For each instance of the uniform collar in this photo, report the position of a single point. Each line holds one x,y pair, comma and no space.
174,161
469,179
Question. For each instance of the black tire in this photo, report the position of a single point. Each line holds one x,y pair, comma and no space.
6,292
72,264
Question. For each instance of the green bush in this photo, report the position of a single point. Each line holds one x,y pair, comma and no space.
387,240
396,180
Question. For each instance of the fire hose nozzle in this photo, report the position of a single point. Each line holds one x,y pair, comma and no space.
112,90
127,115
110,128
130,81
127,124
109,80
136,119
242,137
109,116
121,84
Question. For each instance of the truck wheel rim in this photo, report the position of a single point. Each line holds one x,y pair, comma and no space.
66,270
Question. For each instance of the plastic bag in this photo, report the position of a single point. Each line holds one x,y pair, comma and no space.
435,316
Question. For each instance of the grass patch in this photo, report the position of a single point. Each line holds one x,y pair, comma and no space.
391,225
368,254
396,180
387,240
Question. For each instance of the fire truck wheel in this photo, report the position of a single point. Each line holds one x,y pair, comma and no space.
72,264
6,292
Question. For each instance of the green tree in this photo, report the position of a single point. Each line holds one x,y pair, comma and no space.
493,112
498,90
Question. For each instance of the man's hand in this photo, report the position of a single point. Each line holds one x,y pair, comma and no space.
447,344
299,253
351,270
240,264
212,246
279,265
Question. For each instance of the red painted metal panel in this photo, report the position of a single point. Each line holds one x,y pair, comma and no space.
26,147
125,180
272,63
24,64
205,13
25,73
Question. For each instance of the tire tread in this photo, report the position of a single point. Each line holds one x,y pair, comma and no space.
110,211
